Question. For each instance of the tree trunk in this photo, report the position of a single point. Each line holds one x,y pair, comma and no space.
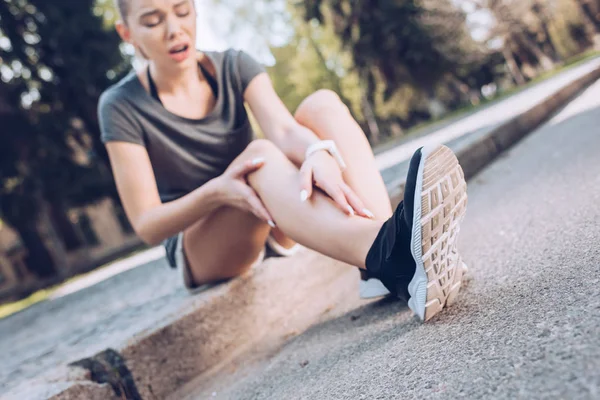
367,110
591,22
463,91
65,228
39,258
554,54
334,78
512,65
531,46
589,16
541,13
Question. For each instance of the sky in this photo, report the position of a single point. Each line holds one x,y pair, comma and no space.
219,29
207,38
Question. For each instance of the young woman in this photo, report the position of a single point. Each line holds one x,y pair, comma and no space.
190,174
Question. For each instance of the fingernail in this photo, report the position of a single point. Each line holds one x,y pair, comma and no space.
368,213
303,195
271,223
258,160
350,210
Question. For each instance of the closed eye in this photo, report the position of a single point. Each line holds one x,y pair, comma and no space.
151,19
182,9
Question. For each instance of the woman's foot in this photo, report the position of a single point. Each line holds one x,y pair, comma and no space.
415,253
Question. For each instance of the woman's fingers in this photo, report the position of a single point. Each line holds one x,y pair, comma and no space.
257,207
306,182
241,170
355,201
337,194
254,203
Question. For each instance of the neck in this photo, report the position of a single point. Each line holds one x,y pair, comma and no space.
172,79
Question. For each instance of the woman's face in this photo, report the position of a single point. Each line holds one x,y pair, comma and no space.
164,31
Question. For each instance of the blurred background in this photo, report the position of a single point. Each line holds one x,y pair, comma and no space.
398,65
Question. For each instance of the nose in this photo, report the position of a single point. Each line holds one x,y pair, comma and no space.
173,26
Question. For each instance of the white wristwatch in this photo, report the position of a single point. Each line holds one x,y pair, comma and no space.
330,147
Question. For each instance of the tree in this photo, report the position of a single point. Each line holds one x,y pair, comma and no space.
310,58
418,43
60,58
540,10
252,25
590,15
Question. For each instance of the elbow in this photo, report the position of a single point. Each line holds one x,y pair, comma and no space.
146,232
149,239
148,236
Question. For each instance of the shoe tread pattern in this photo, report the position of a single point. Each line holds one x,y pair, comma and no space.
443,205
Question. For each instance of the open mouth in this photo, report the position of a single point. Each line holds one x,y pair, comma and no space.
179,49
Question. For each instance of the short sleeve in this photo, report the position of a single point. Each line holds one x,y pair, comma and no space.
117,122
248,68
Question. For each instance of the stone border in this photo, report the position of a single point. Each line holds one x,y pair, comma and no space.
477,154
154,364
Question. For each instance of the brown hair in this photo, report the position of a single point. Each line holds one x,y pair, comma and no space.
123,7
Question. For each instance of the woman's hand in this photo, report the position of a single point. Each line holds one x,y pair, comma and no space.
235,191
322,170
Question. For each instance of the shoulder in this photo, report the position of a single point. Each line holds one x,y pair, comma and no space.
231,58
229,53
119,93
118,114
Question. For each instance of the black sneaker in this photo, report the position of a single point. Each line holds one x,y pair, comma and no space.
415,254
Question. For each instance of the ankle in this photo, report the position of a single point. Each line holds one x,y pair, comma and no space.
389,258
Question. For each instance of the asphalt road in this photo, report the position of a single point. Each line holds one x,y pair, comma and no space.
527,324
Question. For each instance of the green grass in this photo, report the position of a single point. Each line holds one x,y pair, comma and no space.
469,108
11,308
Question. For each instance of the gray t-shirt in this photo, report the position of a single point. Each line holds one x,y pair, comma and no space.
185,153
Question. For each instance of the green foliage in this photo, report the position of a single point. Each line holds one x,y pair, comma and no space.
314,60
62,59
59,60
407,42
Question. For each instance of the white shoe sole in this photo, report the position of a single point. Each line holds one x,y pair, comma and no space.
372,288
439,208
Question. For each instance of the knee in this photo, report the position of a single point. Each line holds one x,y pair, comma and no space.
322,101
261,148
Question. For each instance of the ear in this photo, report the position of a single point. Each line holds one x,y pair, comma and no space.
123,31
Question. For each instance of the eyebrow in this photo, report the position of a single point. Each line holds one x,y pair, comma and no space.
154,12
149,13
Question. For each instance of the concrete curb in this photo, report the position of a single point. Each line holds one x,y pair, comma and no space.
278,300
477,154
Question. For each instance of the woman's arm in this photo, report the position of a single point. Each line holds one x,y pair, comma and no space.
155,221
152,220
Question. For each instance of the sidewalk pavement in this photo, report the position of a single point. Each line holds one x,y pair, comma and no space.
163,338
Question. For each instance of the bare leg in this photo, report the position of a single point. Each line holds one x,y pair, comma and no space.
324,113
223,245
317,224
